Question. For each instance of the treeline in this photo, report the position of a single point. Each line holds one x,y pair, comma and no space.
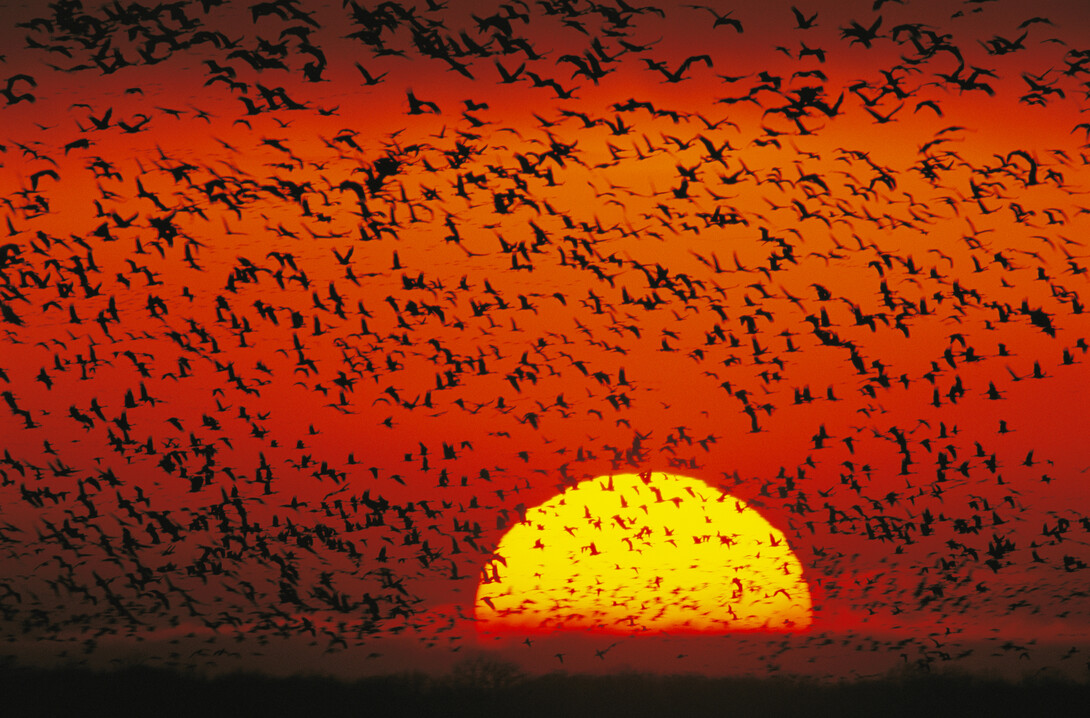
499,689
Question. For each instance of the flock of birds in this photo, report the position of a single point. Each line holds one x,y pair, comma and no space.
302,305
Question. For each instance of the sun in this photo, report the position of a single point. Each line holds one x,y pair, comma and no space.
637,553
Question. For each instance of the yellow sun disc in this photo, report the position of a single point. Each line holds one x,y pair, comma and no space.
639,553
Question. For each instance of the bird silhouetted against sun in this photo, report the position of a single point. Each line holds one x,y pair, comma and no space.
635,553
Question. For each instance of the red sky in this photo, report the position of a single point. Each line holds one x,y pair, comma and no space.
337,347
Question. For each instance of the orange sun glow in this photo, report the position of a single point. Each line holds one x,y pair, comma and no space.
643,553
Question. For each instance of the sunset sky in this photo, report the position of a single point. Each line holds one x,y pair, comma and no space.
305,305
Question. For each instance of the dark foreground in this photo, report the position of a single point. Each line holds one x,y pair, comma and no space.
155,692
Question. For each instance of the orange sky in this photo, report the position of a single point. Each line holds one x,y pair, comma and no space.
311,299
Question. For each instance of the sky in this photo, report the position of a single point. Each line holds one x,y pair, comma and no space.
306,305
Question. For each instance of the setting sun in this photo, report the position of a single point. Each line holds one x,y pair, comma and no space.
640,553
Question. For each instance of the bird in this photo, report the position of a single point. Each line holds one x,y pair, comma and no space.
419,107
674,76
11,95
802,22
368,78
720,20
